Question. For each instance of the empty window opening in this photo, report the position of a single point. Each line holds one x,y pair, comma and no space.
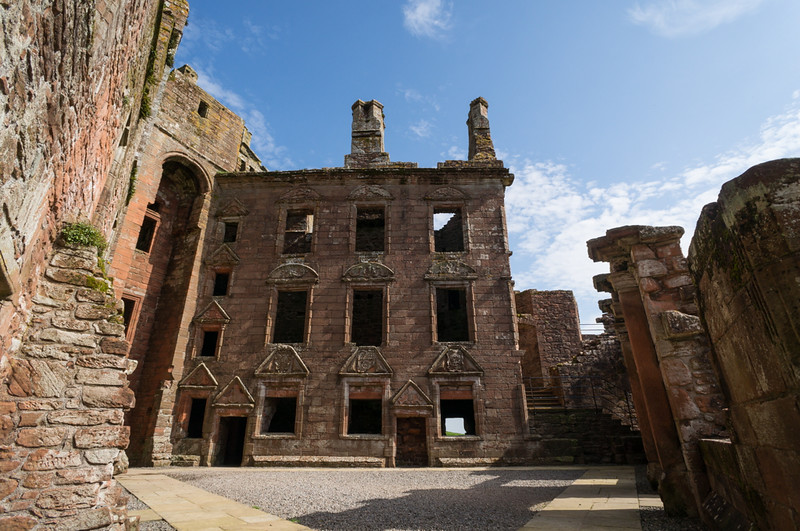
280,414
154,206
290,317
365,417
297,238
451,315
127,312
146,234
366,327
448,234
458,417
242,166
202,109
196,416
370,223
231,231
210,340
221,281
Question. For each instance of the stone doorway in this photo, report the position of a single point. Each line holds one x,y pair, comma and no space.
412,442
230,441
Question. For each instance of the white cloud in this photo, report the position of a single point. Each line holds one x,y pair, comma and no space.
675,18
456,153
552,213
422,128
427,18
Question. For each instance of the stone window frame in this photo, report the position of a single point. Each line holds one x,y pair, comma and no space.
239,220
272,310
184,406
281,232
349,383
156,217
296,386
478,400
387,226
200,331
472,332
465,233
350,303
212,279
138,300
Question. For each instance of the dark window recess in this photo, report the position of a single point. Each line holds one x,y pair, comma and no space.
221,281
210,339
290,317
231,232
196,416
366,327
155,207
127,312
448,232
279,415
365,417
370,224
202,109
297,238
458,417
242,166
146,234
451,315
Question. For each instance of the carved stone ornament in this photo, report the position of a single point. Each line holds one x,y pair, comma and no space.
235,394
282,361
199,378
293,274
455,361
366,361
446,193
213,314
450,270
370,193
224,256
368,271
232,209
299,195
412,397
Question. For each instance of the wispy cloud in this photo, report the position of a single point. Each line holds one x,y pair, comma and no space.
675,18
427,18
552,213
422,128
455,153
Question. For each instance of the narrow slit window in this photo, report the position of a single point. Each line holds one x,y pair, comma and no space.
299,227
366,327
370,229
448,230
197,415
202,109
458,417
146,234
210,341
451,315
129,306
290,317
231,232
221,281
365,417
280,414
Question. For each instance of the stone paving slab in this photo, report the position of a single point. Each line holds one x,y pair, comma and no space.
188,508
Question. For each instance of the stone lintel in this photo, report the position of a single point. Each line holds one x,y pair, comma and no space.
617,242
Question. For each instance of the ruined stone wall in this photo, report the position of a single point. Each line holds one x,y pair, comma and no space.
745,259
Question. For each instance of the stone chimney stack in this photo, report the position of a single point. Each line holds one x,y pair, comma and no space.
366,147
480,139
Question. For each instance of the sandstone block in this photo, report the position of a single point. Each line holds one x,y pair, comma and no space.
70,324
109,377
86,417
75,476
100,361
38,437
103,437
61,498
29,419
114,346
66,276
38,480
40,405
108,397
102,456
38,378
69,261
70,338
43,459
17,523
94,311
55,352
91,295
650,268
91,519
110,329
7,486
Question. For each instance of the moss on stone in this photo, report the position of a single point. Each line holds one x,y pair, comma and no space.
83,234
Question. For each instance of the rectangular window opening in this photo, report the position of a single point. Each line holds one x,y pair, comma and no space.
146,234
448,231
221,281
280,414
366,327
290,317
365,417
231,231
297,237
127,313
210,340
370,224
202,109
451,315
197,414
458,417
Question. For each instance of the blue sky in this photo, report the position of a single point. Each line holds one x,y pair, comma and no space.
609,113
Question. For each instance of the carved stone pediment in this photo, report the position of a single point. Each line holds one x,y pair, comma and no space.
450,270
293,273
368,271
283,360
412,397
213,314
224,256
199,378
446,193
455,361
299,195
232,209
370,193
235,394
366,361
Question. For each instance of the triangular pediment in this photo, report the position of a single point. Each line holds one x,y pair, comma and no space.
370,193
235,394
299,195
293,273
224,256
446,193
366,361
282,361
411,396
232,209
213,313
455,361
200,377
368,271
450,270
